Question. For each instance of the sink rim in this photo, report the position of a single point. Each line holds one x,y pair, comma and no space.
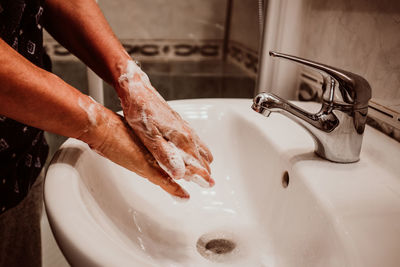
311,163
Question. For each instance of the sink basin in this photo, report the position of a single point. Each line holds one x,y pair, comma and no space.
275,203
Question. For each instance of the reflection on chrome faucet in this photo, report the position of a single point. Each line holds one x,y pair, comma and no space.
338,127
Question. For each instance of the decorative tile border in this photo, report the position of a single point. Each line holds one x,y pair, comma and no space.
384,127
243,57
149,50
384,119
380,117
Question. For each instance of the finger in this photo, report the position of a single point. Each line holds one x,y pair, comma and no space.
206,165
169,186
186,145
206,154
197,168
204,150
166,153
131,153
168,157
201,147
181,138
199,176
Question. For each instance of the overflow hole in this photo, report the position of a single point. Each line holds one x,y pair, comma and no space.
285,179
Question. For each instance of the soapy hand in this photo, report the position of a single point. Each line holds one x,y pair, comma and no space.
110,136
175,146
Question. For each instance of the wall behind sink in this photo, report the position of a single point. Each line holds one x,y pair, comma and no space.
165,31
166,19
230,23
361,36
181,44
244,34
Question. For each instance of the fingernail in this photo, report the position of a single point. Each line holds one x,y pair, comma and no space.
212,182
184,196
180,199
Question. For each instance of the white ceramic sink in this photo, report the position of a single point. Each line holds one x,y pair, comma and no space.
328,215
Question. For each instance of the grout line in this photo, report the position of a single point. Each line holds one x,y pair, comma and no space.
381,111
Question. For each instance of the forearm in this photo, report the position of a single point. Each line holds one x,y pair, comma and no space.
38,98
85,32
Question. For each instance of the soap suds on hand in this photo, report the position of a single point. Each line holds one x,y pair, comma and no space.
177,159
91,110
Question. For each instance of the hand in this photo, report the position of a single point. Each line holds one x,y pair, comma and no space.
175,146
110,136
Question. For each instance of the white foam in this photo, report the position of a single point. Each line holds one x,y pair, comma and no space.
90,109
130,70
175,161
175,156
145,120
190,160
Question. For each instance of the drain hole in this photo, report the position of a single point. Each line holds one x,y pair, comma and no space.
220,246
285,179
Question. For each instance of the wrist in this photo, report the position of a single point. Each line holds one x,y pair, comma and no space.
128,72
117,65
97,117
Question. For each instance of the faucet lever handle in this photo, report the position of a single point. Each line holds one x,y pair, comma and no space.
352,88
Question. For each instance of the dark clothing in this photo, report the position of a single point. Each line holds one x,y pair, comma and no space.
20,237
23,149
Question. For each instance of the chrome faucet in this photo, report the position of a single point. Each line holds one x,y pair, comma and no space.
338,128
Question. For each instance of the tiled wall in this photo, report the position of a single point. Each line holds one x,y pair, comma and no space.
154,29
166,19
180,45
161,31
245,28
244,35
362,36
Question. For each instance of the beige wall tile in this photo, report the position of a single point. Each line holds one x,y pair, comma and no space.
166,19
362,36
245,23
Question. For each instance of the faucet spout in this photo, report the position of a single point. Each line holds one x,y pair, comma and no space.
334,135
338,127
324,120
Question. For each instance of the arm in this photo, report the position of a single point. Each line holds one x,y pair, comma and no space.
175,146
38,98
80,27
